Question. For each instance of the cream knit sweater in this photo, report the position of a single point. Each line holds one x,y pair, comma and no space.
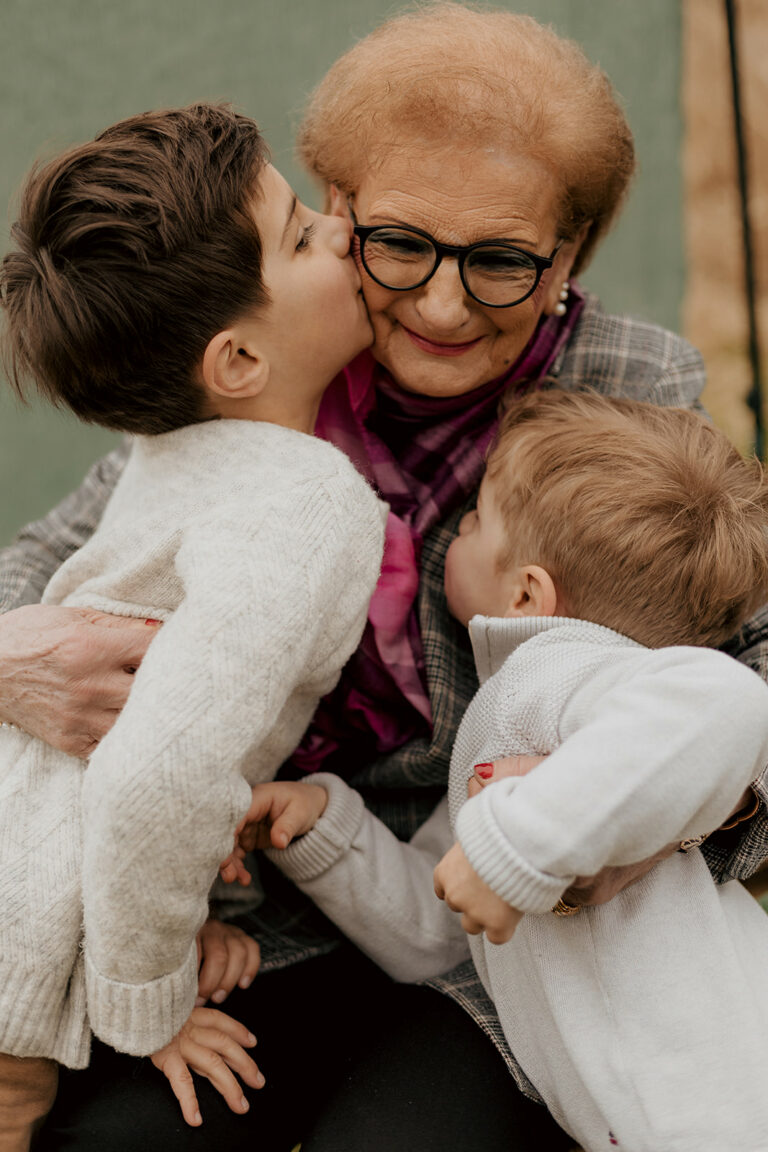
259,548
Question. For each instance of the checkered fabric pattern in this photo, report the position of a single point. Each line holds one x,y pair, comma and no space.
614,355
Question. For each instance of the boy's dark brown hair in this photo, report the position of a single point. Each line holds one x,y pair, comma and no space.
647,518
131,253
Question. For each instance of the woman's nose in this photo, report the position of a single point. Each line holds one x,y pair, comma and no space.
442,303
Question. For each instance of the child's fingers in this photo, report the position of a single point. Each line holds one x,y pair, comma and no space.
284,828
291,818
263,797
215,958
215,1049
252,963
242,963
232,869
180,1079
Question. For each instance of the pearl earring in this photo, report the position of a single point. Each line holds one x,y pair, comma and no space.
560,307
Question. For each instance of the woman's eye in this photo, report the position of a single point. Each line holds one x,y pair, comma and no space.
306,237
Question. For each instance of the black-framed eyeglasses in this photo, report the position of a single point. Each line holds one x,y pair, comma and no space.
494,272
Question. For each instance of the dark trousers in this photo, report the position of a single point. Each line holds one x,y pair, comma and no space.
353,1063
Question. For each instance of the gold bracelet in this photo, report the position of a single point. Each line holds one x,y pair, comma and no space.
693,842
564,909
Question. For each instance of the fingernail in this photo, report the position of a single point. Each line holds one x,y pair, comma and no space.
151,621
260,1081
199,1001
218,996
244,1104
197,1118
251,1038
484,771
245,982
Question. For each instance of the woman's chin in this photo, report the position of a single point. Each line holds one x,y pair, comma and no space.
437,376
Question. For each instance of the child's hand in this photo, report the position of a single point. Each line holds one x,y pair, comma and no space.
226,956
280,812
213,1045
482,910
233,869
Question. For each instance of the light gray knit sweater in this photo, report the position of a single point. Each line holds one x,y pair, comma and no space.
599,1009
259,548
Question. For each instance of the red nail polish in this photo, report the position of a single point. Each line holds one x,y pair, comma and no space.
484,771
151,621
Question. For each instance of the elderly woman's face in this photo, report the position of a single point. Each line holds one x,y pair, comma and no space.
437,340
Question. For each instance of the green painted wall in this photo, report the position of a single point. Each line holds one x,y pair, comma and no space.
70,67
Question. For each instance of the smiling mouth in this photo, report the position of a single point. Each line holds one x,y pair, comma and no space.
438,349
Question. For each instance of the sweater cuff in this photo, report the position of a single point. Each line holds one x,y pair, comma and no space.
330,839
494,859
141,1018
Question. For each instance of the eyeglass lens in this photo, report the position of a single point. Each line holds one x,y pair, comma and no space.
493,273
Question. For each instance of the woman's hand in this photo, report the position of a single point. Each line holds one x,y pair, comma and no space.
213,1045
609,881
65,673
226,956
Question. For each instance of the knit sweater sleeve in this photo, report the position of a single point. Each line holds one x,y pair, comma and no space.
271,609
376,888
655,748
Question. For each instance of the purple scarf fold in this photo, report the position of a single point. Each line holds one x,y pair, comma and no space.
425,455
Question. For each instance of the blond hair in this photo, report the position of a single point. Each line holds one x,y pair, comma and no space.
450,75
647,518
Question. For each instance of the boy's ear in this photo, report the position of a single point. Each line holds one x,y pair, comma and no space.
234,367
533,593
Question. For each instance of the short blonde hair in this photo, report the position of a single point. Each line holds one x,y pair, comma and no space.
647,518
448,74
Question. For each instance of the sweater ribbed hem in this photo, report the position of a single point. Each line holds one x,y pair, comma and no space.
141,1018
44,1014
331,837
496,862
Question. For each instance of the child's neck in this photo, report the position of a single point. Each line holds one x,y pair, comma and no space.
284,408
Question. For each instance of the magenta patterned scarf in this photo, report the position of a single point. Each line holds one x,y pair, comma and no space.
425,456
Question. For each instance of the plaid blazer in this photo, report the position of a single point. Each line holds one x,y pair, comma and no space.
614,355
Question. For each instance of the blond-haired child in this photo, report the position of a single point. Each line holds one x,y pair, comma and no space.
612,540
165,281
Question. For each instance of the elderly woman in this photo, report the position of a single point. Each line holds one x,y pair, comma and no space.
481,158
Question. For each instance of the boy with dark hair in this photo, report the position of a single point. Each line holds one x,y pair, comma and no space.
166,282
610,541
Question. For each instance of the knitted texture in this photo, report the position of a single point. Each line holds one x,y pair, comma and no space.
259,548
600,1011
630,765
